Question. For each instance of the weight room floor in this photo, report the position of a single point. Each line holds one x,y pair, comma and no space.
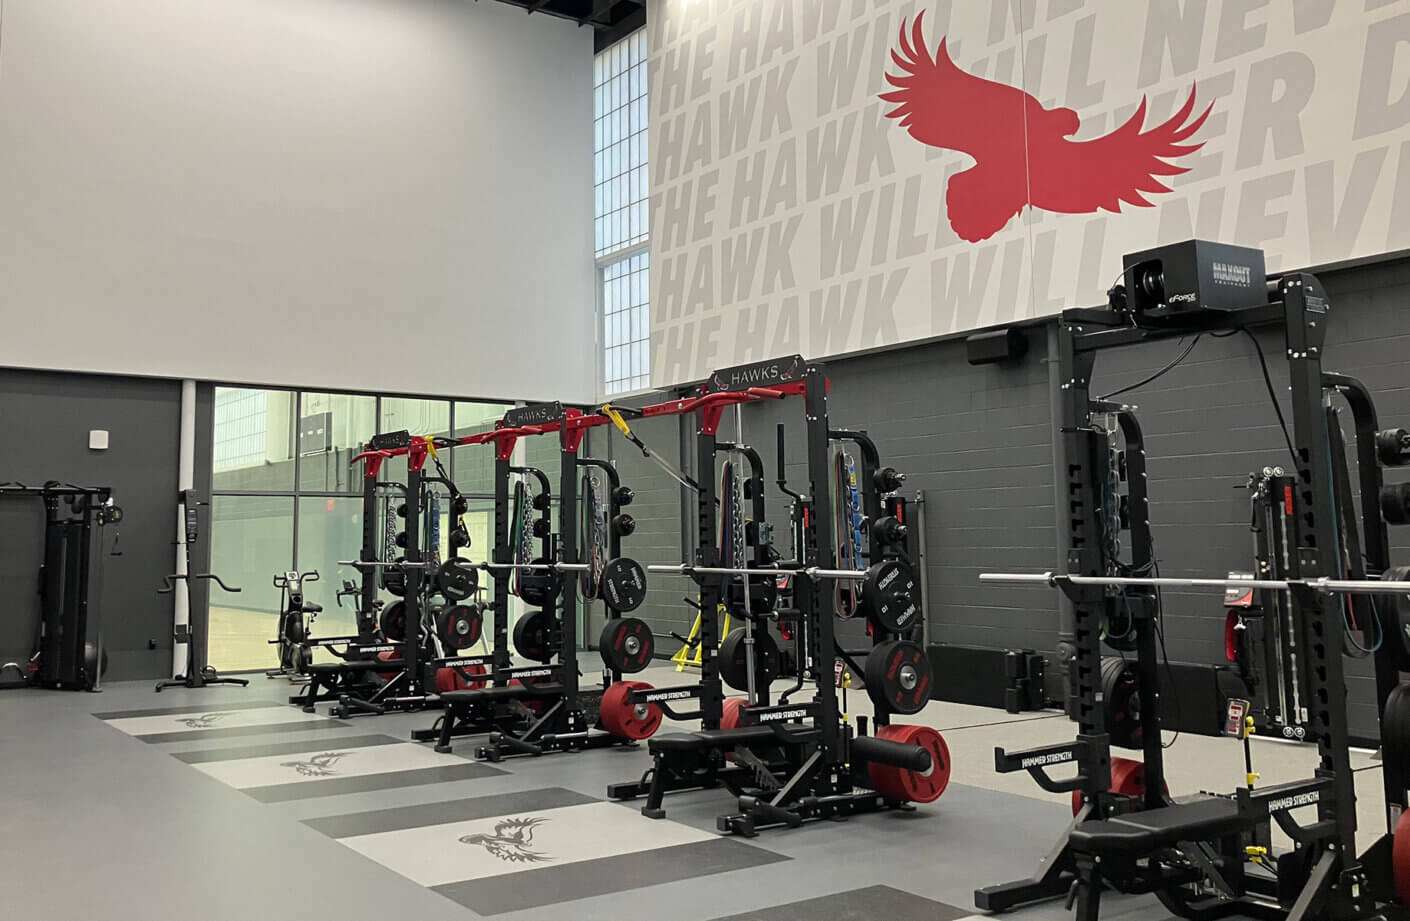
153,811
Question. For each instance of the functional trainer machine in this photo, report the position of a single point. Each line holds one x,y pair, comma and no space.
1207,856
63,657
198,674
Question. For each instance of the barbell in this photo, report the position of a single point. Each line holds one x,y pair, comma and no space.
1320,584
890,590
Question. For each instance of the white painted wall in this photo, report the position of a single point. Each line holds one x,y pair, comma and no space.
299,192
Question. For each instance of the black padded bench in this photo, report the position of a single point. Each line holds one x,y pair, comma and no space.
712,739
336,677
1139,833
470,697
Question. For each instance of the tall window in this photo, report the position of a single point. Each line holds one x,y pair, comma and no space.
620,201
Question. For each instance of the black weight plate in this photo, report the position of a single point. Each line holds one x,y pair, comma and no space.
539,587
733,662
533,636
1395,736
1121,695
393,621
623,584
898,677
394,580
1119,629
459,625
626,644
889,596
457,580
763,594
1394,611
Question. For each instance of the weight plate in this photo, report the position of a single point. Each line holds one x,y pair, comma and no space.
1128,778
733,662
457,579
898,676
763,593
459,626
734,713
1395,736
394,580
393,621
890,596
1122,698
533,636
1394,611
391,658
539,587
1400,857
905,786
626,644
464,678
1119,629
623,584
625,720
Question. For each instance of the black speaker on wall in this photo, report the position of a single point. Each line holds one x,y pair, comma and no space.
1008,344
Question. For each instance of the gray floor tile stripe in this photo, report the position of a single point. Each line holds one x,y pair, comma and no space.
551,885
461,810
236,732
865,904
279,748
205,707
284,792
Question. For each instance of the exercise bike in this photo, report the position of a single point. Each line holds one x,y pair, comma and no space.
296,618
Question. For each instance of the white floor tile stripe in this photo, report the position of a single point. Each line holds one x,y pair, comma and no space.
324,760
439,854
215,718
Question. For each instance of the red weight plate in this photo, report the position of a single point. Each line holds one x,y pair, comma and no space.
912,786
733,712
624,720
390,657
1128,777
1231,636
448,679
533,706
1400,857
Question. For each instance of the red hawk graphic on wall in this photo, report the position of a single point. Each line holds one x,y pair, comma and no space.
943,106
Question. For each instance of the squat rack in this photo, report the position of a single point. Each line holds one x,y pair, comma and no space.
1334,882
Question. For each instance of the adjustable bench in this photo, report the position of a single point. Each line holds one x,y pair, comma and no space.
698,757
466,705
1139,833
336,678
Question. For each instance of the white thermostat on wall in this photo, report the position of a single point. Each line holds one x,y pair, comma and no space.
98,440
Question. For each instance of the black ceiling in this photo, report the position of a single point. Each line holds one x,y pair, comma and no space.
611,20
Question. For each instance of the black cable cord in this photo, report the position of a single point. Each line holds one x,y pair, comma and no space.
1171,365
1268,385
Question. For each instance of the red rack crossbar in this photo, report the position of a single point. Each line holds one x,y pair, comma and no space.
710,405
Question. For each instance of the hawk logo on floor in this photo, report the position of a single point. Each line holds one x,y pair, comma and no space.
204,721
320,765
510,841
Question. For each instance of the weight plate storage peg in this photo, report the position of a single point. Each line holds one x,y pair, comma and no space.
898,676
890,595
394,621
533,636
626,644
623,584
460,625
538,587
907,786
457,580
626,720
734,664
1122,696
